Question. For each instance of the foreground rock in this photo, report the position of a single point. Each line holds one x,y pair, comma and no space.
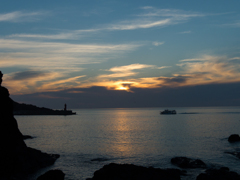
184,162
27,137
132,172
16,159
52,175
218,174
234,138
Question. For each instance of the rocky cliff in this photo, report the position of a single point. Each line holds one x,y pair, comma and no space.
16,159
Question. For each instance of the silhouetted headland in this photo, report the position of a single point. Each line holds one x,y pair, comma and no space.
16,159
28,109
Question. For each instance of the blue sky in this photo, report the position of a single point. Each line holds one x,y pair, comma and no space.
68,46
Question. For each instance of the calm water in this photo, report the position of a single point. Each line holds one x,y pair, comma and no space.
138,136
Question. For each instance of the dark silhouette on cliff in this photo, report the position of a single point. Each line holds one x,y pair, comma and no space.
16,159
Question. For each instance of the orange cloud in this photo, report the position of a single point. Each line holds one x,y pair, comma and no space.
196,71
126,71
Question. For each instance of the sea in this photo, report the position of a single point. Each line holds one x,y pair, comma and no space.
141,136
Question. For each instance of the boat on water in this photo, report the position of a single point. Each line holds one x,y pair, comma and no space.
168,112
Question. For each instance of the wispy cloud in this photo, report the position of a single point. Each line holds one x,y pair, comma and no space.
19,16
51,55
129,67
154,17
151,18
25,75
163,67
185,32
204,58
210,69
128,70
39,81
233,24
156,43
62,84
139,24
63,35
173,13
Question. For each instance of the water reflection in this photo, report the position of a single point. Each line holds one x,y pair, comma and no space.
138,136
123,134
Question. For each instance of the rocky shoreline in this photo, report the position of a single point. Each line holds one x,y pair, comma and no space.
114,171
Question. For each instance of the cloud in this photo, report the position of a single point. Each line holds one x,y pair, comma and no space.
28,81
235,24
174,80
140,24
156,43
155,18
185,32
211,69
120,78
163,67
203,58
196,71
61,56
39,81
129,67
173,13
65,83
125,71
27,75
19,16
63,35
193,72
151,18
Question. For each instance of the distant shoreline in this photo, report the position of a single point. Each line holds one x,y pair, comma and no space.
32,113
28,109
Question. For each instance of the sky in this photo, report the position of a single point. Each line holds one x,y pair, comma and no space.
119,53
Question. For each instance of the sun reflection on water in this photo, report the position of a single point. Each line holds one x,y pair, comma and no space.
124,134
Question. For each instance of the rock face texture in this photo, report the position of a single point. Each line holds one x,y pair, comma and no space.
16,159
133,172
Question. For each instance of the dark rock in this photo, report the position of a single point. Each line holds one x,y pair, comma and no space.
52,175
234,138
27,137
16,159
218,174
133,172
184,162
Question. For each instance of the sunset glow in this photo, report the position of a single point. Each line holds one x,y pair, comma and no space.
122,88
119,46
